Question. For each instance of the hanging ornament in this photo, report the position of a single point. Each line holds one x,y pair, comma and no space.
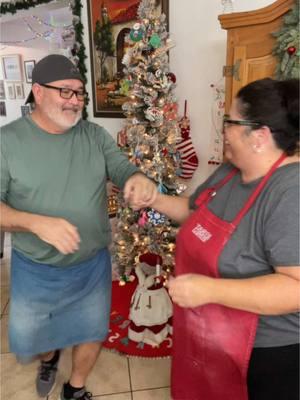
143,218
155,41
155,217
136,34
170,111
291,50
171,77
154,115
162,189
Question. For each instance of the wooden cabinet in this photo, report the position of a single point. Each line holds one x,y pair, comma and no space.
249,45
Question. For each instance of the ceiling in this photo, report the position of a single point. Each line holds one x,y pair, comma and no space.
38,27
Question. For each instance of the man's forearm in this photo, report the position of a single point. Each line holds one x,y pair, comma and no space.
12,220
57,232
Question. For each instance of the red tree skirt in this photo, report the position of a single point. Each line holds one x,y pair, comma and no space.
117,339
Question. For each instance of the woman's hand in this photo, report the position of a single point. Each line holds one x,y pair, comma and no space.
191,290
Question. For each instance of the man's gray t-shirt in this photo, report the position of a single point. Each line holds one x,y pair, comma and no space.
64,176
267,237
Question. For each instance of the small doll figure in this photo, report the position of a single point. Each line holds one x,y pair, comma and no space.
151,307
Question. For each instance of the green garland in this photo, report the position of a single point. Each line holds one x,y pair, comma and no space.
287,46
78,50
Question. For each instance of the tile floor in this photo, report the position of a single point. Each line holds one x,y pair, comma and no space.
113,378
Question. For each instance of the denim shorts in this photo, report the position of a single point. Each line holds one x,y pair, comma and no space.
58,307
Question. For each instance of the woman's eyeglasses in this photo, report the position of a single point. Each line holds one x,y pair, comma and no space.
227,122
67,94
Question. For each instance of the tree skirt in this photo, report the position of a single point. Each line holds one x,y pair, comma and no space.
118,338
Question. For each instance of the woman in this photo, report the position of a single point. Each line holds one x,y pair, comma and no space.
236,290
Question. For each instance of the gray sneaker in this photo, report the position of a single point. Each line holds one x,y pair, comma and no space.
79,395
45,378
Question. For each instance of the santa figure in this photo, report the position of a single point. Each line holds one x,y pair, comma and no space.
151,307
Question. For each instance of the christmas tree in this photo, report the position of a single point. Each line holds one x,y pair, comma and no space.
149,139
287,46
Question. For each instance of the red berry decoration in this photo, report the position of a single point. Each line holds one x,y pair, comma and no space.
172,77
291,50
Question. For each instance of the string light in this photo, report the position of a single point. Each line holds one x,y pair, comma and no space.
42,22
38,35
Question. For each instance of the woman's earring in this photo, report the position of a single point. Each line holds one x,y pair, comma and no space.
257,149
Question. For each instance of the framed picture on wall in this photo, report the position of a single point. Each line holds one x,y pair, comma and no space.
11,94
2,90
108,46
11,65
28,67
2,109
19,90
25,110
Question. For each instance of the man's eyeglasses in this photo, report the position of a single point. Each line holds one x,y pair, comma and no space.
227,122
67,93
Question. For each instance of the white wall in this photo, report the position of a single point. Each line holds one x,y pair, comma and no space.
197,61
13,107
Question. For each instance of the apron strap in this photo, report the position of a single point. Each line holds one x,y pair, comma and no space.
227,178
205,197
257,191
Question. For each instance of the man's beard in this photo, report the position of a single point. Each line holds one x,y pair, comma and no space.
61,116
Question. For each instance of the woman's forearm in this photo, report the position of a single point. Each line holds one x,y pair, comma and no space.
272,294
175,207
269,294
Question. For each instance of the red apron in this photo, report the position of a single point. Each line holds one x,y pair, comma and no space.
212,343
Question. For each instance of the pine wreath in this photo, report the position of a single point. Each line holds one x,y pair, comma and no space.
287,45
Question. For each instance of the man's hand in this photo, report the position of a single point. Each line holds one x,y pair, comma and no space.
58,232
139,191
191,290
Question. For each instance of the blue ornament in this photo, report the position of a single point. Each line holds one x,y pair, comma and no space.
155,217
162,189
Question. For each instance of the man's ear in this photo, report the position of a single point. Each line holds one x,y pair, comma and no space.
37,91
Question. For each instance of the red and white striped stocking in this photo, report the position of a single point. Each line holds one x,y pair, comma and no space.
189,159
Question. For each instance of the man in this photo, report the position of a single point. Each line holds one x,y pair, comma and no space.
53,200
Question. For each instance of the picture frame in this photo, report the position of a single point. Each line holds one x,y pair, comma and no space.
19,91
28,67
2,90
11,65
2,109
25,110
11,94
107,69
